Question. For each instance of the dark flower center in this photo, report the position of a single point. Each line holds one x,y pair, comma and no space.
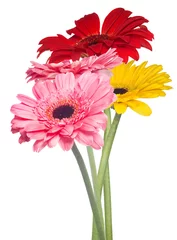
120,90
64,111
93,39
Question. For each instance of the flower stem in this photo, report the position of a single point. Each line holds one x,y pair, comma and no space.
107,205
107,188
96,191
92,167
90,193
106,151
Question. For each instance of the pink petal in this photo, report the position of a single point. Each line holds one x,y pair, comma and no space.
53,141
65,81
89,82
22,107
107,60
78,124
88,127
85,138
39,145
15,109
97,141
67,130
101,92
55,129
100,122
23,137
66,143
27,100
51,87
38,135
20,122
40,90
35,126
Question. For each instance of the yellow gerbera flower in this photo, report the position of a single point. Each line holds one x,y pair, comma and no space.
131,82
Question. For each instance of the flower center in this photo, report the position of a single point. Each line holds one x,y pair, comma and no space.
60,110
93,39
120,90
65,111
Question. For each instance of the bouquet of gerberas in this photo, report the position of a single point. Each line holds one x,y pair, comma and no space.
87,76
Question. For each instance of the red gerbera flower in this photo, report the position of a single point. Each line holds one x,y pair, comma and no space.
119,31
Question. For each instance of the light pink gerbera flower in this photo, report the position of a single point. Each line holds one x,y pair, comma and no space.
65,110
103,62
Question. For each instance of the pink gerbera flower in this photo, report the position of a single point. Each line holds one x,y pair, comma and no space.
64,110
103,62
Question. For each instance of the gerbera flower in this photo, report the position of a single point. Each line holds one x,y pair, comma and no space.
119,31
64,110
103,62
131,82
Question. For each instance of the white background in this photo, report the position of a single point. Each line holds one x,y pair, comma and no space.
42,195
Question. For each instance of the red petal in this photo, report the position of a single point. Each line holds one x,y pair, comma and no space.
86,26
114,20
61,55
90,52
142,32
74,39
146,44
108,43
126,51
130,24
54,44
100,48
96,48
139,42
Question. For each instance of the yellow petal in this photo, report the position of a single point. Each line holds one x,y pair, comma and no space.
120,107
167,87
151,94
140,107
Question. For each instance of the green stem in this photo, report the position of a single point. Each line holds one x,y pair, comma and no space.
107,205
90,193
107,188
96,191
106,151
92,167
108,113
94,231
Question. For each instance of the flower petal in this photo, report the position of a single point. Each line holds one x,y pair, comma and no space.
65,81
55,43
151,94
140,107
38,135
66,143
39,145
114,20
67,130
27,100
35,126
120,107
53,141
97,141
22,112
40,90
86,26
